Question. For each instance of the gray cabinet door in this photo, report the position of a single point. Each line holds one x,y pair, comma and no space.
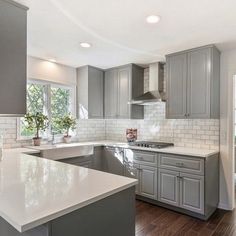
192,192
176,86
85,161
111,94
95,93
97,158
113,161
168,187
131,171
86,164
148,181
124,77
199,78
13,30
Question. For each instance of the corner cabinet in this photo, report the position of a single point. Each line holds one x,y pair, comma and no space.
90,81
122,84
193,84
13,31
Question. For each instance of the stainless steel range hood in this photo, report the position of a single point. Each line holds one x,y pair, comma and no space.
156,86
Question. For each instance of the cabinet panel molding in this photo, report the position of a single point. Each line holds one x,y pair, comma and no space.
193,84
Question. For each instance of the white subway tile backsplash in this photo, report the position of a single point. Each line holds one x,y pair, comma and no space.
195,133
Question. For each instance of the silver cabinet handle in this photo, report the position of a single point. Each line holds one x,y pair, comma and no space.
179,177
180,164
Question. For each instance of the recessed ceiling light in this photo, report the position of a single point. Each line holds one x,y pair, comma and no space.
52,60
152,19
85,45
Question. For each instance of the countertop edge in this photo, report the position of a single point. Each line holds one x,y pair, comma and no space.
36,223
188,152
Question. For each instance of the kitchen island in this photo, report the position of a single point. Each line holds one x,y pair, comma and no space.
40,197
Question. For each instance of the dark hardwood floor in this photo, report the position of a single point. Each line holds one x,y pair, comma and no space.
157,221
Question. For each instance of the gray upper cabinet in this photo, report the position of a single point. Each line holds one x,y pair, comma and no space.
90,83
177,86
124,92
122,84
193,78
13,31
199,78
110,97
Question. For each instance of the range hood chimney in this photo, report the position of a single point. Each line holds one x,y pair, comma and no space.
156,86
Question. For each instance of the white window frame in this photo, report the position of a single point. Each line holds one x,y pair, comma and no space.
48,85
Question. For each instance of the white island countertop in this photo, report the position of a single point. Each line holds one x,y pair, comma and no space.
197,152
34,190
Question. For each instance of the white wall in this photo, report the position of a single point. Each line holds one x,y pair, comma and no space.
49,71
228,70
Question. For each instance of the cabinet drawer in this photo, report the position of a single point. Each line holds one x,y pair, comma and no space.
181,163
140,157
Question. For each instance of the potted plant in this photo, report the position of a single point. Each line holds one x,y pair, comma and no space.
36,122
67,123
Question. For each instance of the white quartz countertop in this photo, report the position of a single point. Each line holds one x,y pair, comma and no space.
197,152
34,190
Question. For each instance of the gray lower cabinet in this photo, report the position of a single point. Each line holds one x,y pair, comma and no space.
97,158
13,39
113,160
131,171
186,184
181,190
148,181
192,192
193,83
147,177
168,187
90,81
142,165
85,161
122,84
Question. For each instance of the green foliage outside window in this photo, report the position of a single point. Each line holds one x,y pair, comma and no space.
53,101
60,107
35,103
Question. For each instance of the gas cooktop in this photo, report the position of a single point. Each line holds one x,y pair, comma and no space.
150,144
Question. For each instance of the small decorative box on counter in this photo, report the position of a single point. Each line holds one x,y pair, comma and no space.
131,135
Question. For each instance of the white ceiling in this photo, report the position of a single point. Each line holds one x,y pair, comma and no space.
119,33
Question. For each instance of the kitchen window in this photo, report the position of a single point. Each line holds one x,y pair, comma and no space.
53,100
